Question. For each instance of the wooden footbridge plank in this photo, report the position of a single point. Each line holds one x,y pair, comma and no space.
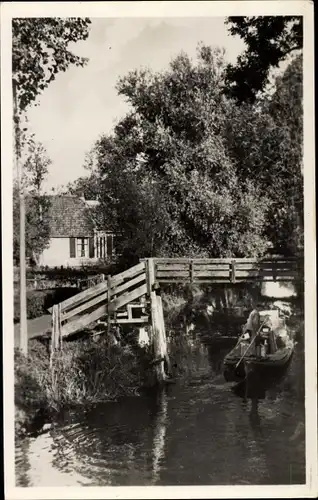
84,296
83,307
129,297
83,321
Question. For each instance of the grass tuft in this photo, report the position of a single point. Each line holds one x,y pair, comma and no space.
83,373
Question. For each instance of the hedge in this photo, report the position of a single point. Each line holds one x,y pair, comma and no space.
39,301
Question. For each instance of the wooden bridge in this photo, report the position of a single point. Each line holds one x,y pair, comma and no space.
132,297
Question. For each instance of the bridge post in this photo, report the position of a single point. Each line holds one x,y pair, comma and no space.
157,337
233,274
191,272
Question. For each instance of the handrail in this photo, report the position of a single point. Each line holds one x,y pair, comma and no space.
227,270
87,299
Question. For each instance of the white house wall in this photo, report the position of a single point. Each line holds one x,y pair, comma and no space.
58,254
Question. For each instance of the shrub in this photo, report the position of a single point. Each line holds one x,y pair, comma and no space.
72,272
39,301
35,304
31,377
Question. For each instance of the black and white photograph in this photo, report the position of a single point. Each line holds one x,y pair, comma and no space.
159,249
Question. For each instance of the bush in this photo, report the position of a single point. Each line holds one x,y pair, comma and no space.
31,377
71,272
39,301
35,304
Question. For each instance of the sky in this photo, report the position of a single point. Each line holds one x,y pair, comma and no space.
82,103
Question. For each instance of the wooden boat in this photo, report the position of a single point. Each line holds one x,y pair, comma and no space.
274,352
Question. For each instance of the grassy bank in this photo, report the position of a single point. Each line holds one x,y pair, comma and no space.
85,372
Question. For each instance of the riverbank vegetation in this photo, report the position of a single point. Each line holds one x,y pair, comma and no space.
85,372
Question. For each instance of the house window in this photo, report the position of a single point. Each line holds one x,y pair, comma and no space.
104,244
81,247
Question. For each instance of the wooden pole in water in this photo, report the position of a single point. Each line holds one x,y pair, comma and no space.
149,288
157,336
163,335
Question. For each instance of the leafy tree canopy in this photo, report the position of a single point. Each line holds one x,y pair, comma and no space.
40,50
167,160
269,40
265,141
188,172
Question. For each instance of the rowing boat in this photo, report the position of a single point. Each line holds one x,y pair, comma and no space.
275,350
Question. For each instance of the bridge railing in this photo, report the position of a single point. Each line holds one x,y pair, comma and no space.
119,295
227,270
114,294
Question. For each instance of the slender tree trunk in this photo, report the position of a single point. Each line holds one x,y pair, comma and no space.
23,313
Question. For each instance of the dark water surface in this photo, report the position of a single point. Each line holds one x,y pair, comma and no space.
199,431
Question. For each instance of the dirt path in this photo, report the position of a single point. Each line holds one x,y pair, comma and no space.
36,326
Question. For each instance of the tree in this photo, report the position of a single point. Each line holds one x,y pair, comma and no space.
37,228
170,156
86,186
269,40
286,109
265,141
36,167
40,51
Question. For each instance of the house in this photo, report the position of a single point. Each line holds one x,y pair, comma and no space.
74,241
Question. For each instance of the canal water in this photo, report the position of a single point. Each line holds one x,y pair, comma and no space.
199,431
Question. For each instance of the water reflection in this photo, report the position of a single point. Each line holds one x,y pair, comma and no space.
160,430
274,412
200,430
106,442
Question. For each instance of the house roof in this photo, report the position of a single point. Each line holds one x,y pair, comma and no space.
69,217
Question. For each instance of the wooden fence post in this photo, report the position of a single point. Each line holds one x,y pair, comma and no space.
233,277
56,330
57,325
53,335
109,296
191,272
60,327
157,337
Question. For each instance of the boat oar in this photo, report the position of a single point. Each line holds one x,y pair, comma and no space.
251,342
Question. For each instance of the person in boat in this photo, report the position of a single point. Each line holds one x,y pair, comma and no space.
251,328
253,323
